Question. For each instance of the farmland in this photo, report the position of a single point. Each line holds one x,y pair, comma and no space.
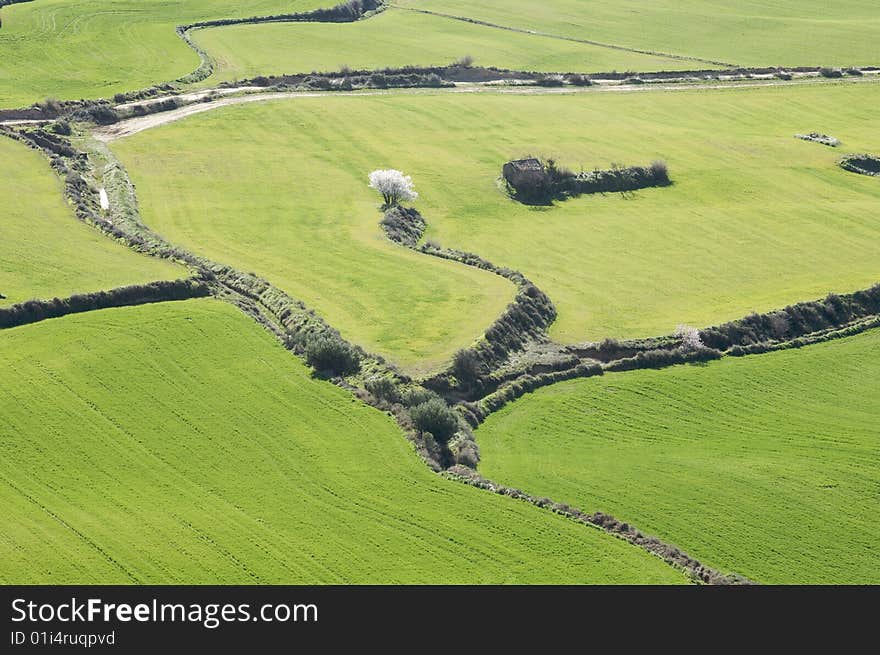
766,465
449,375
732,235
221,460
91,48
743,32
401,38
39,233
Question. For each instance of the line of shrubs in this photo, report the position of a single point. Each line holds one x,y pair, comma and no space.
794,321
33,311
863,164
669,553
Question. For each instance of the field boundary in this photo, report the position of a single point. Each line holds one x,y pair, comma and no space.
670,554
36,310
270,307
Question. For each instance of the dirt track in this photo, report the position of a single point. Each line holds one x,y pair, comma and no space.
139,124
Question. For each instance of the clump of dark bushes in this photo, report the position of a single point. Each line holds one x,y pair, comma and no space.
404,225
383,388
328,354
550,80
436,417
553,182
33,311
834,311
863,164
830,72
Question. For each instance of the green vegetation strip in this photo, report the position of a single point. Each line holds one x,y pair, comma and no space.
140,471
732,235
765,465
39,233
401,38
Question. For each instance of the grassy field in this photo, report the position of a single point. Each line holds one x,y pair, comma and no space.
45,251
309,224
766,465
399,38
744,32
93,48
183,445
756,219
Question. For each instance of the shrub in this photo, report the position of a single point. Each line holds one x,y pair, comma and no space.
330,354
378,81
854,71
659,171
550,80
830,72
690,338
394,186
61,127
466,365
383,389
436,417
579,80
417,396
51,105
465,62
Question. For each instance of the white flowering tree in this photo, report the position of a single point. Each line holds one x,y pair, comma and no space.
394,186
690,337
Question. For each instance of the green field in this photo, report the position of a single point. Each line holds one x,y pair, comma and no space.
91,48
309,224
400,38
766,465
45,251
743,32
756,219
183,445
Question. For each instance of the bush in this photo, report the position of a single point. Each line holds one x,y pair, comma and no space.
659,171
465,62
61,127
418,396
854,71
436,417
330,354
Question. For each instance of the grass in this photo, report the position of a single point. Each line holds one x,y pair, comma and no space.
95,48
766,465
400,38
309,224
183,445
756,219
744,32
46,252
